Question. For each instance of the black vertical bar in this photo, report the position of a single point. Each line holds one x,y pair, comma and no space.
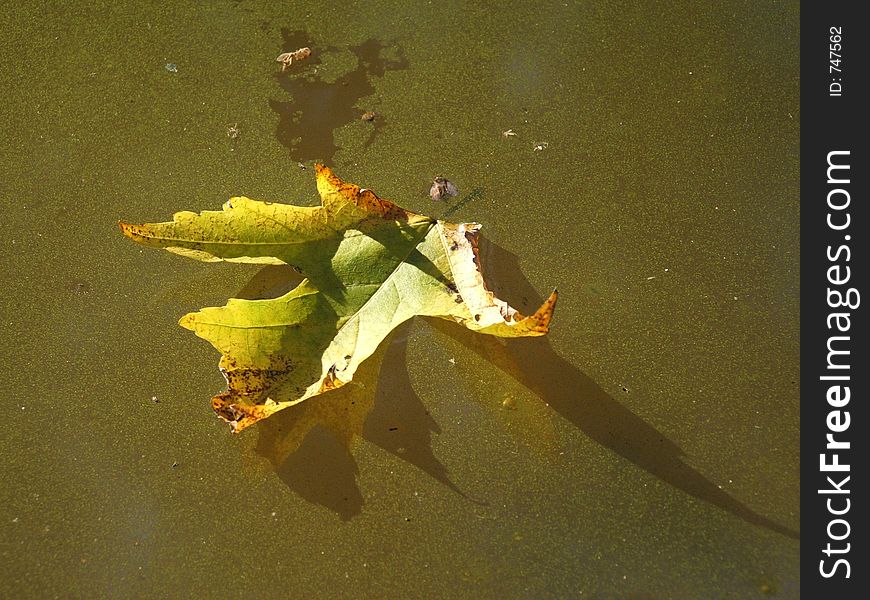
834,264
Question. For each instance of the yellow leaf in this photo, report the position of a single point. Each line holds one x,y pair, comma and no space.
369,265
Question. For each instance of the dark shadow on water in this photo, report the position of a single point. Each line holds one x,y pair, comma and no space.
270,282
584,403
475,195
317,107
310,444
400,423
323,472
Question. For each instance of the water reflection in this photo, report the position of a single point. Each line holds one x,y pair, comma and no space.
319,107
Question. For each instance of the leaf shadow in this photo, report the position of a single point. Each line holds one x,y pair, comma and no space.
310,446
399,422
475,195
533,363
322,471
319,105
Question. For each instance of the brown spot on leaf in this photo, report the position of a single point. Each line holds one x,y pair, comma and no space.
250,381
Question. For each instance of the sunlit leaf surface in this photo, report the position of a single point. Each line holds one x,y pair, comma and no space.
369,265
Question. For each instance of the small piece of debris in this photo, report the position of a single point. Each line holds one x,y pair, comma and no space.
175,464
286,59
541,146
81,287
442,189
233,131
301,166
508,133
509,402
155,400
171,67
451,360
368,116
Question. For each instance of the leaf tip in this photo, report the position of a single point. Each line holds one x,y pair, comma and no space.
325,175
188,321
138,233
127,229
544,314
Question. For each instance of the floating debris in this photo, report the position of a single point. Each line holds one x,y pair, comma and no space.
508,133
541,146
233,131
369,116
171,67
442,189
286,59
301,165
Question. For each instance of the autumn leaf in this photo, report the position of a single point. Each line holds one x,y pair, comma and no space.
369,265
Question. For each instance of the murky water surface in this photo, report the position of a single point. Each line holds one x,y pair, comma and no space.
648,448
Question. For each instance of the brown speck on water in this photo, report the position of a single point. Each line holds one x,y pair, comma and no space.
286,59
369,116
442,189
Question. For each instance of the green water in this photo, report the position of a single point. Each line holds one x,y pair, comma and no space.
647,448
